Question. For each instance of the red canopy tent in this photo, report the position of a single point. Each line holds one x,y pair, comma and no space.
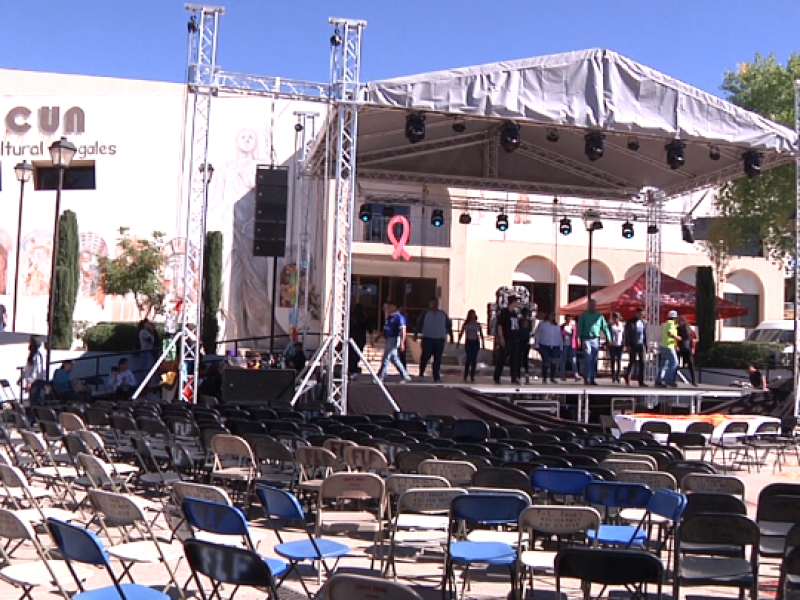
627,295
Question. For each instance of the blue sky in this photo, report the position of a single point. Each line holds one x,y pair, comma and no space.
693,40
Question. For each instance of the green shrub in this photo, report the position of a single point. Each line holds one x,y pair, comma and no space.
114,337
738,355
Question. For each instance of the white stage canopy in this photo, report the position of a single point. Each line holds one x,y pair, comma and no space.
569,95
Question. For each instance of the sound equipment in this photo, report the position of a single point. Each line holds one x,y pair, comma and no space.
272,199
252,386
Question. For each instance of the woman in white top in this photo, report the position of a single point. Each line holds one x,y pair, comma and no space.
615,346
474,342
34,366
549,342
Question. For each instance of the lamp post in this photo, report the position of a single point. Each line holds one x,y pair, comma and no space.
61,153
23,171
591,219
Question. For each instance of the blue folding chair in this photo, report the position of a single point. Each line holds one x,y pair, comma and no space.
615,496
482,509
561,482
80,545
226,564
282,506
224,520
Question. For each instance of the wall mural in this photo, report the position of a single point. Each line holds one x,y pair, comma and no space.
5,252
92,247
36,258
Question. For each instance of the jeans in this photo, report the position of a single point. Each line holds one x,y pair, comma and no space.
550,356
391,355
524,355
471,348
432,347
591,349
669,366
569,358
510,353
635,363
615,355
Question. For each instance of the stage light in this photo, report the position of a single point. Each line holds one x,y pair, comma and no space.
336,39
565,226
627,230
415,127
502,223
594,147
459,125
298,127
752,163
687,232
675,157
714,153
437,217
633,144
388,212
365,213
509,136
552,135
465,219
652,229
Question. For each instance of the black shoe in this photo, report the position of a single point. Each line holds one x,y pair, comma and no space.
515,381
643,384
497,381
553,381
660,385
672,385
592,383
472,379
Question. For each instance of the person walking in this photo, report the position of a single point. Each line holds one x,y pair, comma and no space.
394,334
473,332
591,325
686,346
435,327
525,334
360,329
549,341
669,353
569,348
636,343
508,341
615,347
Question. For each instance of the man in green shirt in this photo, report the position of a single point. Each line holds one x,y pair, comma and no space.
669,352
590,325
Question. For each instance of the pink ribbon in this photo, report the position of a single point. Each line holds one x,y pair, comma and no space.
399,245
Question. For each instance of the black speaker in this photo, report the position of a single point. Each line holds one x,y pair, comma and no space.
272,199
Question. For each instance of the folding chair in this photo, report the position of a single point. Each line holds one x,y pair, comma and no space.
457,472
569,484
95,443
347,587
234,464
27,500
655,480
80,545
223,564
47,469
503,478
28,575
610,567
614,497
473,510
198,491
731,440
366,459
280,505
789,580
720,484
315,465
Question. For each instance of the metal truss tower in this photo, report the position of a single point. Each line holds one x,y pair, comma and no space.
655,205
201,79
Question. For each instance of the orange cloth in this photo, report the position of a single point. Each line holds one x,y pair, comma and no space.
716,419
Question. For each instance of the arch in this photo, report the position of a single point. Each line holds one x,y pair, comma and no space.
601,274
745,288
635,270
743,282
688,275
536,269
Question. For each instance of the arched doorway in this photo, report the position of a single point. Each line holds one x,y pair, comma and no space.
745,288
578,283
636,269
540,276
688,275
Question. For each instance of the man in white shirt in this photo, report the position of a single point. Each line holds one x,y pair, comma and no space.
122,380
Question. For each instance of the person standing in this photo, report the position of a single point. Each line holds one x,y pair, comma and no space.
636,342
435,327
615,346
3,317
549,341
394,334
472,330
508,341
144,358
360,329
686,346
591,325
669,352
569,348
525,334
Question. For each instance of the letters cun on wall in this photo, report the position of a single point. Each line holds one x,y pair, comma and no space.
48,119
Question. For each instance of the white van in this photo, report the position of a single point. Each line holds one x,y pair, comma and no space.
774,332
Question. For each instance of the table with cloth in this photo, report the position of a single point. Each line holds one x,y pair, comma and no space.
680,423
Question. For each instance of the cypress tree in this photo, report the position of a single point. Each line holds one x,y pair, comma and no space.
212,290
706,309
66,278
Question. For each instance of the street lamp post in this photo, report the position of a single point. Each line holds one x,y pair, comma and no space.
23,171
61,153
591,219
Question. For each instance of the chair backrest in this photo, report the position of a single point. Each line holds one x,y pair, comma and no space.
228,564
397,484
634,456
559,520
488,508
667,503
657,427
338,446
356,486
347,587
75,543
408,462
706,428
779,489
428,500
311,457
122,510
455,471
607,566
232,446
735,428
779,509
70,422
569,482
709,502
15,527
655,480
707,482
687,439
99,472
473,429
364,457
615,494
722,529
503,477
279,504
619,465
214,517
198,491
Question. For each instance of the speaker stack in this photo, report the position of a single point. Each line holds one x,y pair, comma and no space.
272,200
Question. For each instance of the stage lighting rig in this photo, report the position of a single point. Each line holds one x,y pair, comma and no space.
565,226
714,153
365,213
509,136
627,230
633,144
459,125
415,127
652,229
437,217
752,163
502,223
595,146
465,219
675,156
687,232
553,135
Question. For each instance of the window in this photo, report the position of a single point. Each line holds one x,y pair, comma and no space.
542,294
423,233
578,291
752,302
78,177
